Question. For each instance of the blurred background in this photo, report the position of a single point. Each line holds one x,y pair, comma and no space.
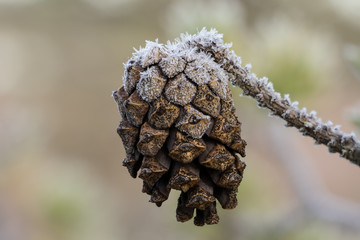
61,175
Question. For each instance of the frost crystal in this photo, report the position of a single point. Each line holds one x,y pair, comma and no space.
151,54
337,128
275,97
151,84
270,86
248,66
217,72
180,90
235,58
287,98
172,65
197,71
329,123
312,114
263,81
205,39
295,104
348,140
303,112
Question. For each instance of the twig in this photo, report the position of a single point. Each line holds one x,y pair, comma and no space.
307,123
263,92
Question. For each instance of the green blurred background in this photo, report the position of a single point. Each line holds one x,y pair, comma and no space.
61,176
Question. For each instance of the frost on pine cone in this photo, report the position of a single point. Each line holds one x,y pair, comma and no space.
179,127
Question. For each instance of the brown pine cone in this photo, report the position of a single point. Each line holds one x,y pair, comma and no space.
179,127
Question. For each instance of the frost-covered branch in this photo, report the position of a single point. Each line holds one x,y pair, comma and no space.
262,91
307,123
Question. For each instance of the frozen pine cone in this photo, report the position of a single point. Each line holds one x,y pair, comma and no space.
179,127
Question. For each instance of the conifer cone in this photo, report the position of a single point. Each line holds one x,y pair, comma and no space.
179,127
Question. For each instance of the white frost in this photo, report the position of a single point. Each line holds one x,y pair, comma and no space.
248,66
151,84
303,112
287,98
270,86
295,104
312,114
263,81
329,123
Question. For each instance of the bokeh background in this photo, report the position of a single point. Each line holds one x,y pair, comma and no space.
61,175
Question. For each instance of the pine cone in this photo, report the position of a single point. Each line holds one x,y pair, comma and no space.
179,127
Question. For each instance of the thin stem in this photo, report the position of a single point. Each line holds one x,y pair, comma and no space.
307,123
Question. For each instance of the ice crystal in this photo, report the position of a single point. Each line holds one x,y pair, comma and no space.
172,65
303,112
337,128
248,66
287,98
295,104
263,81
179,90
197,70
312,114
151,54
151,84
329,123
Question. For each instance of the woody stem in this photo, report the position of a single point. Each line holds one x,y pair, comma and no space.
307,124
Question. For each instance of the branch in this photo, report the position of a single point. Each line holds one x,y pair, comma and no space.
307,123
263,92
